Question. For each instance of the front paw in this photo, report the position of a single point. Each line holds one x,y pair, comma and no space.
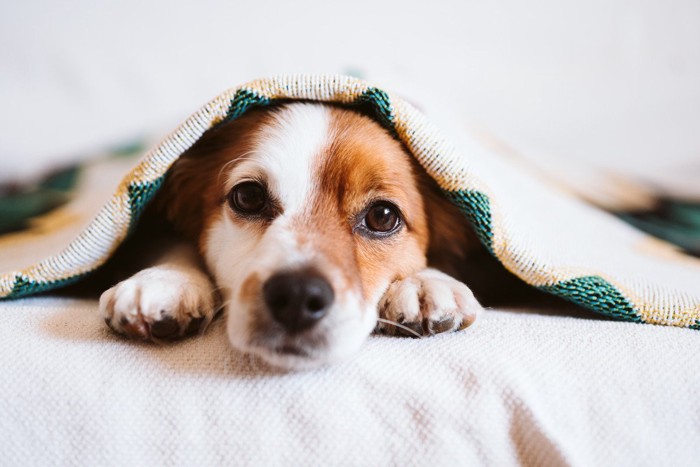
429,302
160,303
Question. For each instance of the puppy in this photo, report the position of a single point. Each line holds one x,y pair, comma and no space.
310,226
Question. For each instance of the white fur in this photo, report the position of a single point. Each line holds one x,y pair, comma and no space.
426,298
285,155
175,288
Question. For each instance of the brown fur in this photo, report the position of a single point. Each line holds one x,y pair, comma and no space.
250,290
363,163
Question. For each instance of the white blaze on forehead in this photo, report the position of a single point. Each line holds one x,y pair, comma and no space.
285,152
285,155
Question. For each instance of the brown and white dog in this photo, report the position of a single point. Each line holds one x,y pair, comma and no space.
310,225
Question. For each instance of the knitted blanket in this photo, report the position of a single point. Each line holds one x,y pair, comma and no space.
547,238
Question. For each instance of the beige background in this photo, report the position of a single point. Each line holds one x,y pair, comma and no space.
608,82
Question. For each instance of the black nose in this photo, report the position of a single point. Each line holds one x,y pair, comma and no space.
298,299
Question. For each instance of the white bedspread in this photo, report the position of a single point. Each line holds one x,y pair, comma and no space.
519,387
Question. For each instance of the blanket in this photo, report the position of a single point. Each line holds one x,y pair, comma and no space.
549,239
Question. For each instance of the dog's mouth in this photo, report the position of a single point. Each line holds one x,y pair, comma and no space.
292,349
288,351
297,320
329,341
290,319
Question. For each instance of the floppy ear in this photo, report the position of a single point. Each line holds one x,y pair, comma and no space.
190,186
452,238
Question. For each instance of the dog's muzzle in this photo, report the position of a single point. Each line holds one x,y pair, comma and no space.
298,299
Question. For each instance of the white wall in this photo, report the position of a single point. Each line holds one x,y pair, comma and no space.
612,82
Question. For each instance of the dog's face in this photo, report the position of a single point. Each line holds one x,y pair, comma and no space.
309,212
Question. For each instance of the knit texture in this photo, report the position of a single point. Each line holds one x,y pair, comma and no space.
517,388
548,239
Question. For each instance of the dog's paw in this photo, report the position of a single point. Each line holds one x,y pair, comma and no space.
160,303
429,302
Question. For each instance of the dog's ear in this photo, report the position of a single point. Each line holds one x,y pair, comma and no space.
452,238
181,199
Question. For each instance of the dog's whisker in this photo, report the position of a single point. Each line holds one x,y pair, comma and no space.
398,325
218,289
243,157
223,305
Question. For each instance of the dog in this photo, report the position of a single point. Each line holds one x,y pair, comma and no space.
310,226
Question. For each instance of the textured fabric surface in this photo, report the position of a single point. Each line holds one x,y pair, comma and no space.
550,240
520,387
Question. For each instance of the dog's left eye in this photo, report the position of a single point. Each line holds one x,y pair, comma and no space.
382,218
248,198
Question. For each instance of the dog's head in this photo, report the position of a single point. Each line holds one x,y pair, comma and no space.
304,215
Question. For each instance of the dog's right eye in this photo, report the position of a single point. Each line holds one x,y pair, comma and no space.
248,198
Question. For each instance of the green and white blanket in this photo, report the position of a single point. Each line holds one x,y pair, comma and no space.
549,239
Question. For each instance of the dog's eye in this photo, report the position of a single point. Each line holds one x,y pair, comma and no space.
248,198
382,217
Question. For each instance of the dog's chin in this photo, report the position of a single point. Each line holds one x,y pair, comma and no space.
308,350
289,358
